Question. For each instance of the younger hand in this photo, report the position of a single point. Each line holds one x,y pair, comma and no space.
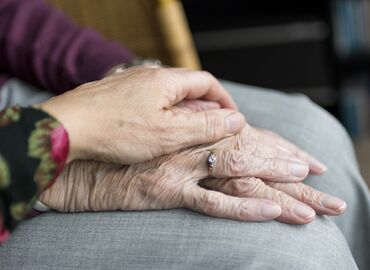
129,117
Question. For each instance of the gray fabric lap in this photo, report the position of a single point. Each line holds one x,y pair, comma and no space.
172,239
16,92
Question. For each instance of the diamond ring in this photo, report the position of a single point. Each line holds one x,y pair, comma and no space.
211,161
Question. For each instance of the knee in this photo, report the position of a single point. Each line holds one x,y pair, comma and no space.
319,245
316,125
324,119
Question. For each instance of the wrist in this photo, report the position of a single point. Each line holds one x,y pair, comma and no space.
63,140
136,62
49,141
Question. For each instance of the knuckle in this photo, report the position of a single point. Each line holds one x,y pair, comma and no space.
213,125
239,187
157,72
209,202
244,210
240,141
236,163
247,187
281,198
208,75
243,140
275,167
309,195
250,146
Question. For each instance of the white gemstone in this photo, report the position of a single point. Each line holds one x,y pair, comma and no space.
211,160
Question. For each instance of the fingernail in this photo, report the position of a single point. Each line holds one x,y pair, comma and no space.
321,168
334,203
303,211
270,210
234,122
298,169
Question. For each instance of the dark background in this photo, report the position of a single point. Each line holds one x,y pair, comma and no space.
319,48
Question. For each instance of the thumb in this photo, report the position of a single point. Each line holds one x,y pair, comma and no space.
211,126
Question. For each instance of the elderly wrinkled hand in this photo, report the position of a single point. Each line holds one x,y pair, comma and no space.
165,183
171,181
299,202
259,148
129,118
263,153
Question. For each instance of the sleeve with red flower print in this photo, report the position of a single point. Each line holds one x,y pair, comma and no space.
33,151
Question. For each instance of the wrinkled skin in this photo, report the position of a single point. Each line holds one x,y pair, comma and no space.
250,182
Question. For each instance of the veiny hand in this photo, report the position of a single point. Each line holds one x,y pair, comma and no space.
171,181
129,118
299,203
258,143
271,138
262,154
164,183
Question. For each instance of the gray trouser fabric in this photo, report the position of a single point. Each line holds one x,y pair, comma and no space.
181,239
16,92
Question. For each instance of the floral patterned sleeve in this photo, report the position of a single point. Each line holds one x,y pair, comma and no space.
33,151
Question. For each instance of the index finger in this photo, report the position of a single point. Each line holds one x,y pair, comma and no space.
199,85
233,163
315,165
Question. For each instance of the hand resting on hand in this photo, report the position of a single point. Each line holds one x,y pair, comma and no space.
257,178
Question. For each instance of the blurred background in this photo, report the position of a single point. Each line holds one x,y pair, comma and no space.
319,48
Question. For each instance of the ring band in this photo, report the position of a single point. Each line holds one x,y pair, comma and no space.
211,161
40,207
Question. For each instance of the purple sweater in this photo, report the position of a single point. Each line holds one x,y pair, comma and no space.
39,45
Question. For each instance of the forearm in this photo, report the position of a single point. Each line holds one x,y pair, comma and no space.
40,45
88,186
